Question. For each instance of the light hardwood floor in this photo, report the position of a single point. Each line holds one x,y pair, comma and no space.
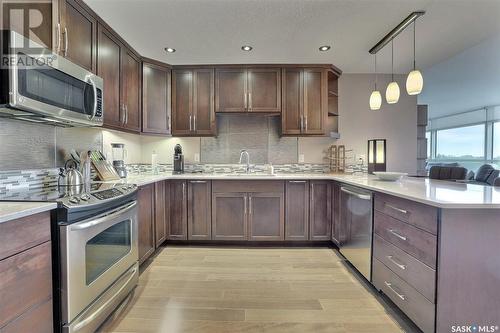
231,290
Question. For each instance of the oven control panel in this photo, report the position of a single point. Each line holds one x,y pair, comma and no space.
94,197
107,194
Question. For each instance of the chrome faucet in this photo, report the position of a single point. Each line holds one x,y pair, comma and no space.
244,152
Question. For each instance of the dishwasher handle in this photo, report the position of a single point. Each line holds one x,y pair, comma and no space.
362,196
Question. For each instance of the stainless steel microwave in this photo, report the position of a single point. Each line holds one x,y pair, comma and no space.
40,86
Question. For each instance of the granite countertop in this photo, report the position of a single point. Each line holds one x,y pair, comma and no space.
442,194
15,210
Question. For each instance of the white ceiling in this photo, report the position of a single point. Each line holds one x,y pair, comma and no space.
290,31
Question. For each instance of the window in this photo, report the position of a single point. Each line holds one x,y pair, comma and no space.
461,143
496,141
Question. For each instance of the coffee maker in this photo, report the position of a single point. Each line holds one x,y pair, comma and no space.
118,152
178,159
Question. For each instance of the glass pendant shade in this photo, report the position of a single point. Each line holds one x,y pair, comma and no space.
414,82
375,100
392,93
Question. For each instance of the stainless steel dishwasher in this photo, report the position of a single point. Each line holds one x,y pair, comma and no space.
356,226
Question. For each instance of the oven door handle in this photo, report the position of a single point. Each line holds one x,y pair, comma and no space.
94,222
103,307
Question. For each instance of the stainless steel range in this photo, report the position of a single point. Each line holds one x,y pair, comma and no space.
95,251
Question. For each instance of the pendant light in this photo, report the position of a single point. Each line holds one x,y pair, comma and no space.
375,97
414,81
392,92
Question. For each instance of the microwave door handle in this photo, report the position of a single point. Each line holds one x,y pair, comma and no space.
93,222
94,88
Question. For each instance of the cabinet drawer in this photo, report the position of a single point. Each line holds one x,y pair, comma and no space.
409,300
228,186
412,271
37,319
25,280
21,234
415,213
420,244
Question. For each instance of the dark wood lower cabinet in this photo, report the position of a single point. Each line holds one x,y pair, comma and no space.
320,212
161,210
177,229
266,221
146,214
229,216
336,226
26,275
199,203
297,210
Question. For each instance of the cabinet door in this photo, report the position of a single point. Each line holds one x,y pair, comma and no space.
109,69
266,221
336,231
199,210
315,100
145,209
131,94
182,101
229,216
203,102
264,90
297,210
160,214
79,34
293,101
178,210
155,99
320,210
231,90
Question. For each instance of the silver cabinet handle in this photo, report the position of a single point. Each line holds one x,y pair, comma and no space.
396,209
126,114
190,119
198,181
305,122
357,195
397,234
250,101
65,41
297,181
389,285
58,37
250,205
245,206
246,101
183,189
301,123
194,123
122,115
391,259
103,307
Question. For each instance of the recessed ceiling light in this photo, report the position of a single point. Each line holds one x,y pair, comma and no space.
324,48
169,50
246,48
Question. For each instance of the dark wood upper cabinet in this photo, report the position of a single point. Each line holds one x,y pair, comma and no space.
78,34
177,229
248,90
266,221
305,101
161,210
231,90
109,58
320,210
193,102
131,90
199,203
146,214
156,98
297,210
264,90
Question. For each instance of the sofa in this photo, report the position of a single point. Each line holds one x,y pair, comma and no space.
485,175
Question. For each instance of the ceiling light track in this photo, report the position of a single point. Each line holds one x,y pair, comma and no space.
396,31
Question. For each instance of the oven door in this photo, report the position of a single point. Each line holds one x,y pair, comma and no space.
94,254
50,86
